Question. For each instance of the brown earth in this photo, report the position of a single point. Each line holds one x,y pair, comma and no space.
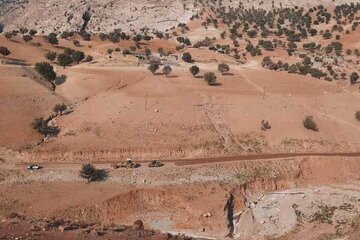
282,179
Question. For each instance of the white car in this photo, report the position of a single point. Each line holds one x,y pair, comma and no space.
34,167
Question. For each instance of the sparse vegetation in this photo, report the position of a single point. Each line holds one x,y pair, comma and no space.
89,58
194,70
210,78
58,108
310,124
52,39
77,56
324,214
51,55
42,126
187,57
354,77
153,67
64,60
223,68
167,70
4,51
92,174
46,70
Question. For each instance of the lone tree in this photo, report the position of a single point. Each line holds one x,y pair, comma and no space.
52,39
223,68
91,174
46,70
210,78
167,70
77,56
4,51
50,55
310,124
187,57
194,70
64,60
354,77
153,67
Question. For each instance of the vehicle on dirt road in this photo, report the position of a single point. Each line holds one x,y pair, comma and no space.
130,164
156,164
34,167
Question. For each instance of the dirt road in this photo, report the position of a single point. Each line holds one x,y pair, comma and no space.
187,162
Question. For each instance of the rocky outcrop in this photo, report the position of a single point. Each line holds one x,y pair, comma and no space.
95,16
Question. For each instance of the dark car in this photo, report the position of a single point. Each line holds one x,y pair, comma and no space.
156,164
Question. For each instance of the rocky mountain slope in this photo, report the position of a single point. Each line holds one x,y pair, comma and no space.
103,15
106,15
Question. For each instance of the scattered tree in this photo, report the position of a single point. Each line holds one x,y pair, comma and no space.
153,67
4,51
64,60
50,55
210,78
77,56
187,57
52,39
92,174
43,127
194,70
167,70
27,38
310,124
354,77
223,68
46,70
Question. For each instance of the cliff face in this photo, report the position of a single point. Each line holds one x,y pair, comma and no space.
96,15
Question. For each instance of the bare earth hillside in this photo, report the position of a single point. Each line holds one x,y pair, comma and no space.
174,120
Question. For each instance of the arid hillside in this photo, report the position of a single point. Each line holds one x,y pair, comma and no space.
221,120
107,15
